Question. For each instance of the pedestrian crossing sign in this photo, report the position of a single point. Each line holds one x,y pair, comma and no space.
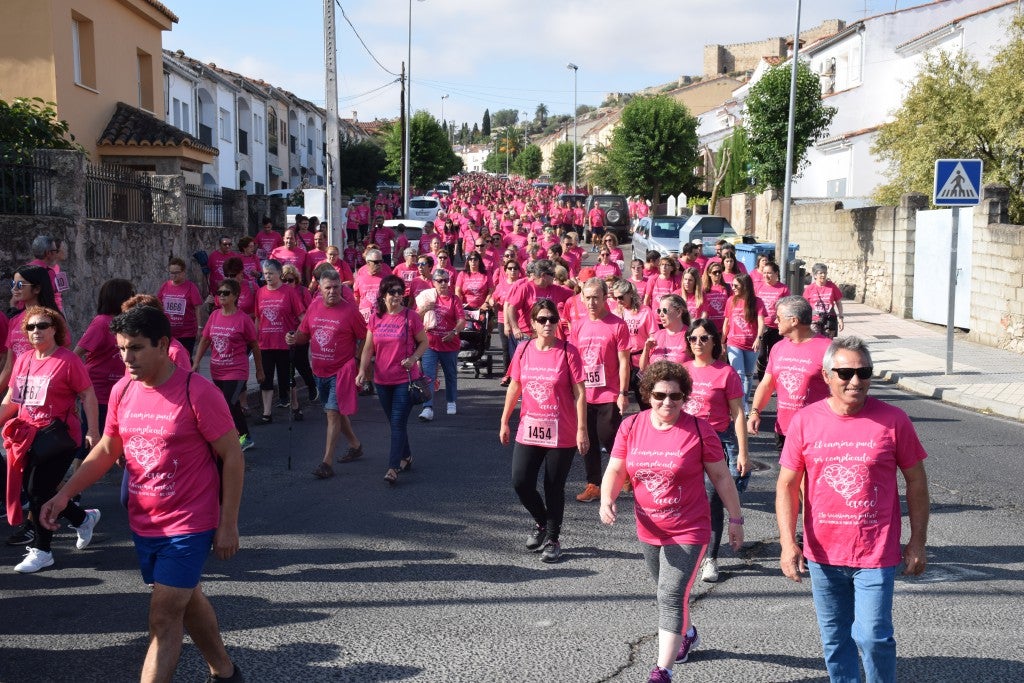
957,182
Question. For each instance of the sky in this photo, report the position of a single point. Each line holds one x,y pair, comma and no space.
484,54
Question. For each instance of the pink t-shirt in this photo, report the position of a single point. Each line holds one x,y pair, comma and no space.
769,296
394,339
525,293
407,273
448,312
230,336
641,326
315,257
367,288
173,482
822,298
548,414
851,496
714,386
179,302
178,354
500,295
606,270
102,358
742,333
215,262
796,369
714,306
658,287
474,288
666,468
45,389
17,340
669,346
247,298
599,343
333,334
251,267
296,257
277,312
267,242
382,238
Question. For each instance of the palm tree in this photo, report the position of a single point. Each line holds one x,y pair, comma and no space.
541,115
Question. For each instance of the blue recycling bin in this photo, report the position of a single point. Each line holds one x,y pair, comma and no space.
747,253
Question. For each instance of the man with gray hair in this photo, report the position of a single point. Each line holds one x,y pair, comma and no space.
45,252
367,282
793,370
524,294
842,454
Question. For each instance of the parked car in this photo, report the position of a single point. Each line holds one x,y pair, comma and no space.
707,229
572,198
657,233
413,230
424,208
616,213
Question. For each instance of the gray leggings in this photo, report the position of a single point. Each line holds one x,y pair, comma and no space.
674,568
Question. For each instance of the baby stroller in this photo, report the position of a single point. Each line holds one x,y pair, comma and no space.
475,340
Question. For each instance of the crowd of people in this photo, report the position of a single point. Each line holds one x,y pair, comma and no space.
698,343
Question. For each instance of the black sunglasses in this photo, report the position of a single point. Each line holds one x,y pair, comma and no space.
661,395
372,261
288,279
422,263
224,292
396,291
846,374
32,327
544,320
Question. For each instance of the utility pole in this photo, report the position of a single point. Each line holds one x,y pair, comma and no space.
405,151
333,150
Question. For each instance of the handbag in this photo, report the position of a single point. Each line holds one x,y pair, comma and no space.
420,389
53,440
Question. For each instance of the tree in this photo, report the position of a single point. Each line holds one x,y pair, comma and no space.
494,163
654,147
956,109
30,124
584,109
504,118
541,115
561,162
768,122
528,163
476,134
360,165
485,127
737,174
431,156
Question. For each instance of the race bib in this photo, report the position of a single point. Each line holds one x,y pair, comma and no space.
593,376
174,305
62,282
31,390
540,431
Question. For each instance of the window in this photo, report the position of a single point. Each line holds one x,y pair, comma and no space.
257,128
224,122
176,113
145,77
186,120
83,47
271,131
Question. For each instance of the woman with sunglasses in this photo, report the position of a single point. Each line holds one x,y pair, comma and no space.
395,343
31,286
716,294
181,301
448,320
43,387
552,425
278,311
232,335
691,291
641,323
666,282
510,273
473,284
666,454
718,398
443,263
744,325
668,343
606,268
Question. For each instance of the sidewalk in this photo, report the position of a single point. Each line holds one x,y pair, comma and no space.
913,355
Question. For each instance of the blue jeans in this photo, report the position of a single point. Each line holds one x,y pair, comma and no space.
394,399
744,363
448,360
732,454
854,608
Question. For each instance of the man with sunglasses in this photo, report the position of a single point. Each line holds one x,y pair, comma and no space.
368,280
793,370
842,455
215,261
524,294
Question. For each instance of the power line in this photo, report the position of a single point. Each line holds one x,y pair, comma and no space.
371,91
362,42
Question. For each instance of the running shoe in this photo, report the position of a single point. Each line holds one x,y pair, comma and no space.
709,571
86,528
246,442
690,641
591,493
235,677
452,409
535,539
659,675
426,415
35,559
552,552
23,535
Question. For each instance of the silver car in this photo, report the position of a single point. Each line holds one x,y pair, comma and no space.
424,208
667,234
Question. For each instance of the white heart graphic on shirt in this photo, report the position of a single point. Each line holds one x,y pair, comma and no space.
271,314
591,356
220,344
717,305
538,390
657,484
694,405
322,337
145,452
790,381
846,481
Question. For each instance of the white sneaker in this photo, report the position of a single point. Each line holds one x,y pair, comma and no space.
709,571
451,409
35,560
427,415
85,529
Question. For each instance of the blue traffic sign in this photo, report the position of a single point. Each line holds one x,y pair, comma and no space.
957,182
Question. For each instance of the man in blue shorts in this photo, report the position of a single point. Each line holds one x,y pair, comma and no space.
175,431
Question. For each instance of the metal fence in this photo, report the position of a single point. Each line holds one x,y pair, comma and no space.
26,189
118,193
203,207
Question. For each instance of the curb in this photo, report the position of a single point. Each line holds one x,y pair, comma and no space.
955,397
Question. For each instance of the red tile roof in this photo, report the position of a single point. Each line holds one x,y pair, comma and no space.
132,127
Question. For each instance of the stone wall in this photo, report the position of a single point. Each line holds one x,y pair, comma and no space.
997,283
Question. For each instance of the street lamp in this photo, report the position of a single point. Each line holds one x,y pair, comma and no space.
575,73
443,122
408,119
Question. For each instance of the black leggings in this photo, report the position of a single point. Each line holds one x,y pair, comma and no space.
278,360
300,361
526,463
40,481
232,390
603,421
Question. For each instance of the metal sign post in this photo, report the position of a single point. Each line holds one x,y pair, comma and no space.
957,184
